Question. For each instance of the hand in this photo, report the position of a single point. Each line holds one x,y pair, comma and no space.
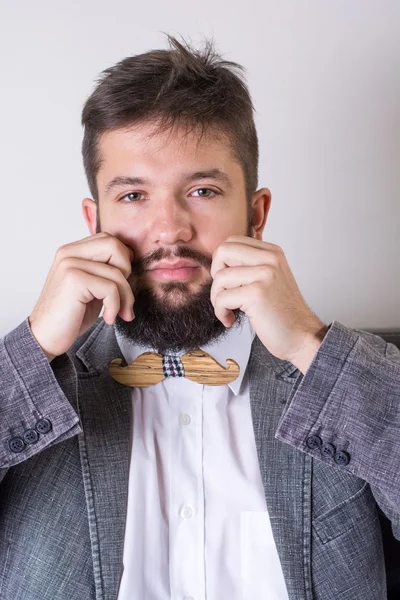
255,277
84,276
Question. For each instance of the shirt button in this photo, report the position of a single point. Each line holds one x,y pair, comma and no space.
186,512
184,419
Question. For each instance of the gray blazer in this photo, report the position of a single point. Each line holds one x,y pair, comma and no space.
327,443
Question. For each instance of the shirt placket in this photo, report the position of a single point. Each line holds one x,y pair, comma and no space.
186,518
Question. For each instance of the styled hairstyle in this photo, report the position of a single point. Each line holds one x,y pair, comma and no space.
182,86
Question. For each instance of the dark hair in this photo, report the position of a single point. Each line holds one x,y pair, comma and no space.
177,87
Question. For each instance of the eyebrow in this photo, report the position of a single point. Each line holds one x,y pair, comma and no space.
214,174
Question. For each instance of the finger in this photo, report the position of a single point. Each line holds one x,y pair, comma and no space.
232,277
228,300
101,247
230,254
93,287
250,241
104,272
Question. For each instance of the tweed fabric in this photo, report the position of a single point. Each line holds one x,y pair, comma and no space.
63,499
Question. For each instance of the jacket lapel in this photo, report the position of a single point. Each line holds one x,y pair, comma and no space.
104,408
285,472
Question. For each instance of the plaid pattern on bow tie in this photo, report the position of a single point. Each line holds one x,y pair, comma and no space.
172,366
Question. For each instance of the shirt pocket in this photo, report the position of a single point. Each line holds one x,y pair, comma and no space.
261,571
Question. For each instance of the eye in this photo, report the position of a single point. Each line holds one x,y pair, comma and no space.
206,190
130,194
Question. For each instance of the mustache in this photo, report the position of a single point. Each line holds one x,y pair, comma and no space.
150,368
142,263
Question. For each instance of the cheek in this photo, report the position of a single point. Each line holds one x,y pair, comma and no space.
218,228
129,233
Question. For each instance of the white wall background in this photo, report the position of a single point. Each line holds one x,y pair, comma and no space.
325,80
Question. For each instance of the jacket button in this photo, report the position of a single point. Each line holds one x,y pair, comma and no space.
43,426
16,444
328,450
342,458
314,441
31,436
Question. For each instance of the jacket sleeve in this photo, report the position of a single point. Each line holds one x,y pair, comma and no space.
35,412
345,411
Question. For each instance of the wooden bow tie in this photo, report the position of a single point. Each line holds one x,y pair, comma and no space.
151,368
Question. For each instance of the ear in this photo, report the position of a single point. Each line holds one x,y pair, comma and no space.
89,209
260,204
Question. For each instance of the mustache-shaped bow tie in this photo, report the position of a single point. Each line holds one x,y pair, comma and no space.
150,368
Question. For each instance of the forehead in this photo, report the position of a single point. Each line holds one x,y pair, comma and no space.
158,153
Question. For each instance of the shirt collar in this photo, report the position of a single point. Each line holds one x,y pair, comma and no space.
235,344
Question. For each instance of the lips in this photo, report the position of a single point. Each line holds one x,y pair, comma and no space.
179,264
178,270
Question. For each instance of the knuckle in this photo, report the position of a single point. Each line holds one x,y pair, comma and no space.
61,252
126,271
257,291
268,274
113,286
265,271
117,273
271,275
217,278
72,276
222,247
112,290
216,252
68,263
274,248
274,273
274,260
116,243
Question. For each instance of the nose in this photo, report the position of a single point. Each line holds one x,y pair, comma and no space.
170,222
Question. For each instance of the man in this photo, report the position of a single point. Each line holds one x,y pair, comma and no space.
263,487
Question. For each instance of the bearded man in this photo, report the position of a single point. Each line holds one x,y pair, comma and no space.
208,436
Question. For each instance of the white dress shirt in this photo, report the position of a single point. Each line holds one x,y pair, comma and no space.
197,524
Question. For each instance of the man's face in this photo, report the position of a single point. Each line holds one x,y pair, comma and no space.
171,198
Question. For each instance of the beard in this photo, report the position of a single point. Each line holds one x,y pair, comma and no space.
173,319
170,329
